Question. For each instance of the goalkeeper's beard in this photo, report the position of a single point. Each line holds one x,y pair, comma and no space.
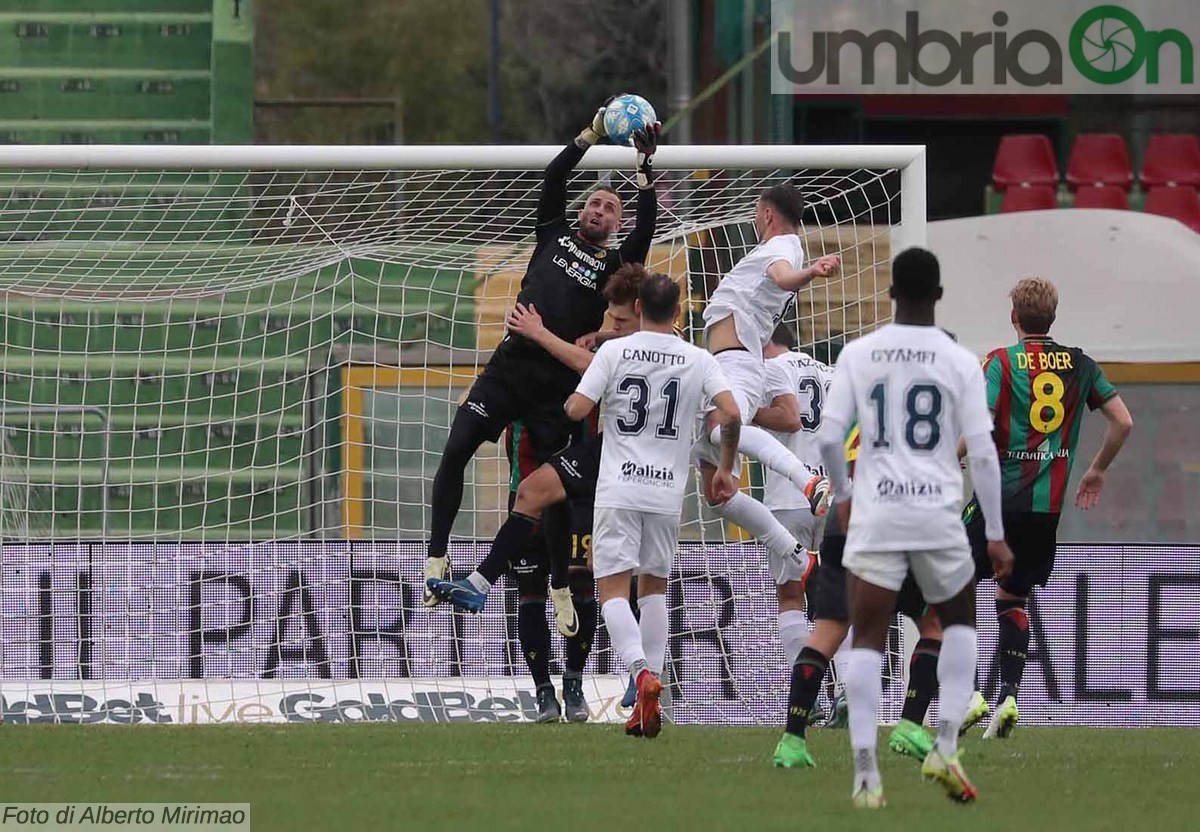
596,237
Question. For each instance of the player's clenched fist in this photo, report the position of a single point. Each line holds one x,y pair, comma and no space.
827,266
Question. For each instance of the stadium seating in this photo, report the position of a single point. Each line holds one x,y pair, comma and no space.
1101,196
124,71
1034,198
1099,159
197,448
1171,159
1182,204
1024,160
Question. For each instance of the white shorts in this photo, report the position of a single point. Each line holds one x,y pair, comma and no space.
807,530
940,573
627,540
747,381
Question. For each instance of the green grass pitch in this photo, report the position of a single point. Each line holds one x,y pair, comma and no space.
578,778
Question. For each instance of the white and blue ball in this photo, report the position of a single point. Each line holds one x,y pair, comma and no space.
626,113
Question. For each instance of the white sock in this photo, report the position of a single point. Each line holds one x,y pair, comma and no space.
624,634
479,582
652,610
956,680
864,686
841,658
758,444
793,632
757,519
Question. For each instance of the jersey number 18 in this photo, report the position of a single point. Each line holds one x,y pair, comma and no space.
923,407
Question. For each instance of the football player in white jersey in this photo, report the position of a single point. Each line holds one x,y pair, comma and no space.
915,393
654,385
738,321
794,393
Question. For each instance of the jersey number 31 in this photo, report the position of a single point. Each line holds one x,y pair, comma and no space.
634,421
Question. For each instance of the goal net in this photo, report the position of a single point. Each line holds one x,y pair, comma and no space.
227,377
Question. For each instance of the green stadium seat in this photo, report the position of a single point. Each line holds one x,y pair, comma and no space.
93,94
119,40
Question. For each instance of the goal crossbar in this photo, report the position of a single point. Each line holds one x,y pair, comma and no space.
446,157
909,160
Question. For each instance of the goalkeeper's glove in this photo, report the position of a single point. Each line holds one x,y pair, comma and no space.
646,142
595,131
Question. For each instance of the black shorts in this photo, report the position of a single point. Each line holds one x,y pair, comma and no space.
531,571
509,390
578,468
827,596
1033,538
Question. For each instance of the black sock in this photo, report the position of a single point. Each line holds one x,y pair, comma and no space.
556,522
807,673
1013,646
534,634
922,680
511,541
579,646
445,496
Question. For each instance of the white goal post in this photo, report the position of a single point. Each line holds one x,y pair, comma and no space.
225,377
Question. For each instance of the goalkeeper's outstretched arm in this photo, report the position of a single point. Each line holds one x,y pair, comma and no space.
636,247
552,204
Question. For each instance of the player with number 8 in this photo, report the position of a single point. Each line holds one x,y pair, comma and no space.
1037,390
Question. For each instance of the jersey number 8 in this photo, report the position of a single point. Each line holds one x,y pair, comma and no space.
1048,390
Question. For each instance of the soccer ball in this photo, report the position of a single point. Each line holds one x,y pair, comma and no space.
626,113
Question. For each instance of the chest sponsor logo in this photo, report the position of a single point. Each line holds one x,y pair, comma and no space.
908,491
639,474
581,265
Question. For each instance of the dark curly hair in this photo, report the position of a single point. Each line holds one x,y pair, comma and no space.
622,286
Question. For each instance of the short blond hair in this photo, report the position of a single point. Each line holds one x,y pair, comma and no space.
1035,300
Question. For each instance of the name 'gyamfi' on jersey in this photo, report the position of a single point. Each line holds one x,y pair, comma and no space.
914,392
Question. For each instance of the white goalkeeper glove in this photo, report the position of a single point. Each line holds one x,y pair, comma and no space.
595,131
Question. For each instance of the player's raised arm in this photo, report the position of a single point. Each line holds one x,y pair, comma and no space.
552,204
636,247
793,280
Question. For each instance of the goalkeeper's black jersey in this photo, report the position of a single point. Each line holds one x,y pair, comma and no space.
567,274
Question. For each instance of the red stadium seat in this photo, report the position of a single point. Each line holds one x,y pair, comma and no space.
1099,159
1172,159
1182,204
1024,160
1034,198
1101,196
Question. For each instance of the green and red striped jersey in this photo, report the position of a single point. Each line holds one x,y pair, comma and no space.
1037,390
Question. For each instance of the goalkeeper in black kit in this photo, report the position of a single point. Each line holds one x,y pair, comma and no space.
522,382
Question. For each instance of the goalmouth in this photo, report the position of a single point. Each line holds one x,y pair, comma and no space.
227,376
